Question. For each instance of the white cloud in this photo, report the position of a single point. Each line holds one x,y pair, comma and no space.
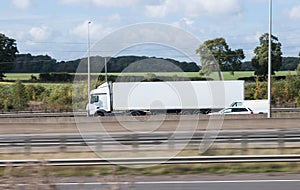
188,21
40,33
253,38
295,12
18,35
194,8
222,7
22,4
114,18
156,10
184,22
102,3
96,30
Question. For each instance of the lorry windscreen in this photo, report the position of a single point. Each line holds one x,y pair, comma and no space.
95,97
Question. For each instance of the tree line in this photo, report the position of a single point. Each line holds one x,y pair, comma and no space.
27,63
215,56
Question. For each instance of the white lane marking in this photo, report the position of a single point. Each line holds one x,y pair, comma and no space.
162,182
177,182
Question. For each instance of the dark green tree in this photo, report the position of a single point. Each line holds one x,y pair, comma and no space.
260,60
8,50
215,55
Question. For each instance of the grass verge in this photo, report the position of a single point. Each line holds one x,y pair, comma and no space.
162,169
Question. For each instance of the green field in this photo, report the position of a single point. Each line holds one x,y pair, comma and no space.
226,75
20,76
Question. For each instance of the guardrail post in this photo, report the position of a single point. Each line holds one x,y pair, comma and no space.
171,142
135,143
281,141
244,143
63,145
99,143
27,147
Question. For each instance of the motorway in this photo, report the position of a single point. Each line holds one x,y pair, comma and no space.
140,124
190,185
188,182
61,125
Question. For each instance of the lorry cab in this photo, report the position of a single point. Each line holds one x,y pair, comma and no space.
100,100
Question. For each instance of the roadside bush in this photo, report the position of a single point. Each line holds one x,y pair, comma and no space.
80,93
286,92
36,92
56,77
19,96
249,91
292,86
60,97
5,100
260,91
298,99
298,70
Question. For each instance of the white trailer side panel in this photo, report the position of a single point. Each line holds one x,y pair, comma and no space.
176,95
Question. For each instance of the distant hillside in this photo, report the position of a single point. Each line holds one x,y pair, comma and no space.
288,64
27,63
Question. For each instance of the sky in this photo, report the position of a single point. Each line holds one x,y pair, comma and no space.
60,29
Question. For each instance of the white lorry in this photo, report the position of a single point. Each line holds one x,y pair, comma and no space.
257,106
140,98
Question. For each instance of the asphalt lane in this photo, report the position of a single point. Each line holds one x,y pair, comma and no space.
250,181
144,124
180,185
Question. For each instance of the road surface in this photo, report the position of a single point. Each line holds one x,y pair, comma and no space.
191,185
111,124
186,182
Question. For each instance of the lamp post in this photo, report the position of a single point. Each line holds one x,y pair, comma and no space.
270,61
88,65
105,68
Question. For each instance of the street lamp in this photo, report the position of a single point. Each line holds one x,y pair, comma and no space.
105,68
270,61
88,65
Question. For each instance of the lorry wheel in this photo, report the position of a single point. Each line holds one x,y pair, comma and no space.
185,112
197,112
205,111
135,113
100,114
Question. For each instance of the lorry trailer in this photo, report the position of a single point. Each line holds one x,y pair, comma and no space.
181,97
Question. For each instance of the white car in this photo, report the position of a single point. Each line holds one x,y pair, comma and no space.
235,110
